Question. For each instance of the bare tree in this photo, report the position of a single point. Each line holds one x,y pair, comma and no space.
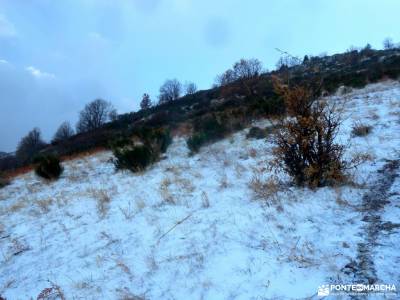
225,78
352,48
190,88
170,91
247,68
63,132
146,101
94,115
113,114
29,145
288,60
243,69
388,43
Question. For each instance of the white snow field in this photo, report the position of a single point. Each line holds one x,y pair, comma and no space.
195,227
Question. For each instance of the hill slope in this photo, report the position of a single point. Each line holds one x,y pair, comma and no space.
196,228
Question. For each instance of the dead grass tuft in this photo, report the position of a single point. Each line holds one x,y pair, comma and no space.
165,192
239,169
103,201
223,182
205,202
44,205
123,267
252,152
17,247
126,294
16,207
128,211
266,189
53,292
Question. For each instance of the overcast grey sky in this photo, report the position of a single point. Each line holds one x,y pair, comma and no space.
55,56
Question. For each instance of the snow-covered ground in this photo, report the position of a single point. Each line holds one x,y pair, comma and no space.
194,227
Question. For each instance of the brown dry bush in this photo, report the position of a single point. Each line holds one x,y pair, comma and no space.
306,149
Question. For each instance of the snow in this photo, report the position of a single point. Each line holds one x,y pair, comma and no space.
192,227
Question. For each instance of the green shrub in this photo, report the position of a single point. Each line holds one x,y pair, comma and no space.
195,142
120,142
3,180
361,129
48,166
273,106
158,138
206,130
212,128
257,133
161,139
133,157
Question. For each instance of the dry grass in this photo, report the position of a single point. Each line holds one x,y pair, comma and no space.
62,199
184,184
205,202
33,187
52,292
151,263
223,182
266,189
76,173
84,284
18,246
180,185
126,294
140,205
239,169
303,255
165,192
44,205
128,211
173,169
123,267
17,206
103,201
252,152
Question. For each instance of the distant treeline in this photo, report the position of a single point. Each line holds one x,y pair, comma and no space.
239,95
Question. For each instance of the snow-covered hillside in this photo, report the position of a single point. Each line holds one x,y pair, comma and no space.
195,227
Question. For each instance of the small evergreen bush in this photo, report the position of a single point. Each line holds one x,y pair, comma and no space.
133,157
195,142
161,139
211,126
48,166
136,157
206,130
3,180
158,138
361,129
257,133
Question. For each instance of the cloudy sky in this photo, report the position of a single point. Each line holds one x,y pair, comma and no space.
55,56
